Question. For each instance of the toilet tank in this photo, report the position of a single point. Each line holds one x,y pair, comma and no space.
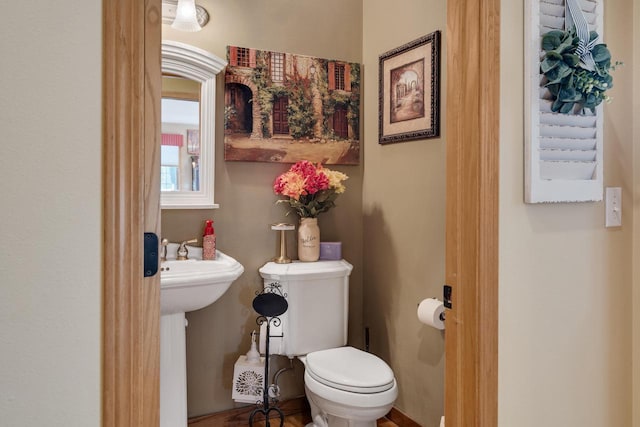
318,298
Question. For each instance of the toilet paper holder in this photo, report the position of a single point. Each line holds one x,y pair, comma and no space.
269,304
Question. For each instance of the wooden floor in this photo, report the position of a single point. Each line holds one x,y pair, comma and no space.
301,420
296,411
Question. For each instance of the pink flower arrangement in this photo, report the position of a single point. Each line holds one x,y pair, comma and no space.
311,189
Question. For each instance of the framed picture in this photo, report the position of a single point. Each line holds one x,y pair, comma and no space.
193,141
410,91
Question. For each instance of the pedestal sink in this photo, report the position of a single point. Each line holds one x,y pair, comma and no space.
185,286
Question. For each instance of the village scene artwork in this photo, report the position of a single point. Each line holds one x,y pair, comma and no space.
282,107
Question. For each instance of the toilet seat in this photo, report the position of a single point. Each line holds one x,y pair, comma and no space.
350,402
349,369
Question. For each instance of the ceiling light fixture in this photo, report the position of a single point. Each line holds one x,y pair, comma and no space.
186,19
184,15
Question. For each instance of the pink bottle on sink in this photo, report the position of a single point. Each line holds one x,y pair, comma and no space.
209,241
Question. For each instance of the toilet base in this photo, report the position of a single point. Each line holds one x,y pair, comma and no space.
341,422
334,414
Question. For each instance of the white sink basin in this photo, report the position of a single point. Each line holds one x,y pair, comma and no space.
194,284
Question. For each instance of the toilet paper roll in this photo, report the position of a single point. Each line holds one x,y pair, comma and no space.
430,311
275,343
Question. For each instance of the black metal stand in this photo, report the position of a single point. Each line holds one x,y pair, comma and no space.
270,303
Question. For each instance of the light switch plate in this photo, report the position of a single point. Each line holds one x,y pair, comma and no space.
613,206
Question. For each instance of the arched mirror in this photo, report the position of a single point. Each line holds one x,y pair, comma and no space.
188,126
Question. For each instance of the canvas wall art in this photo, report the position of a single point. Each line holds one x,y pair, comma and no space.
282,107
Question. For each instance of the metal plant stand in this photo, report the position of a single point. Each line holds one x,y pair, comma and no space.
269,304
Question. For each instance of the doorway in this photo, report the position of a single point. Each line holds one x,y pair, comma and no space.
238,115
131,97
280,116
340,123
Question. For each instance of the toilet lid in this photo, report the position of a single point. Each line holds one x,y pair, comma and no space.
350,369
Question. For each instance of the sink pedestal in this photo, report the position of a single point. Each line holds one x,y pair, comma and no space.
173,370
185,286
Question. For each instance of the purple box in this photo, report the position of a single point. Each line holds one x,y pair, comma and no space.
330,251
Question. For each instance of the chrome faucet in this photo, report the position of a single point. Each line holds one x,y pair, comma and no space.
183,252
164,244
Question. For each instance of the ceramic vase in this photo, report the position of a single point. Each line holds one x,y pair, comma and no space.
308,240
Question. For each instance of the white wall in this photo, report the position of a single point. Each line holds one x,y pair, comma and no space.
50,227
565,281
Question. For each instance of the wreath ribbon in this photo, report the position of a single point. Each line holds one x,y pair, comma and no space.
575,16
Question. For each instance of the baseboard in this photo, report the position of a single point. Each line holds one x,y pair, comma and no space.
401,419
240,416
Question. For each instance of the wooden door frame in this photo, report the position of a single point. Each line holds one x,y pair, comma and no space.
131,206
131,304
473,110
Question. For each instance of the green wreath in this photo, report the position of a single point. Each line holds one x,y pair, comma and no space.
570,83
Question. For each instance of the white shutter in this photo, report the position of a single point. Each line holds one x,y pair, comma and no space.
563,152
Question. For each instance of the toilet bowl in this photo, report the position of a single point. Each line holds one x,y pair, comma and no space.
347,387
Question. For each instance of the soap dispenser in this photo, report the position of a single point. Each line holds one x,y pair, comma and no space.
209,241
253,356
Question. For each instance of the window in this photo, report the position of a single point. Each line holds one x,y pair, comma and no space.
339,76
168,178
170,156
243,57
277,67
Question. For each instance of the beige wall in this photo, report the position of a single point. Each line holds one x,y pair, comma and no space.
565,280
217,335
636,213
404,212
50,291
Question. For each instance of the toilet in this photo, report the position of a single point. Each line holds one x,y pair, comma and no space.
345,387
